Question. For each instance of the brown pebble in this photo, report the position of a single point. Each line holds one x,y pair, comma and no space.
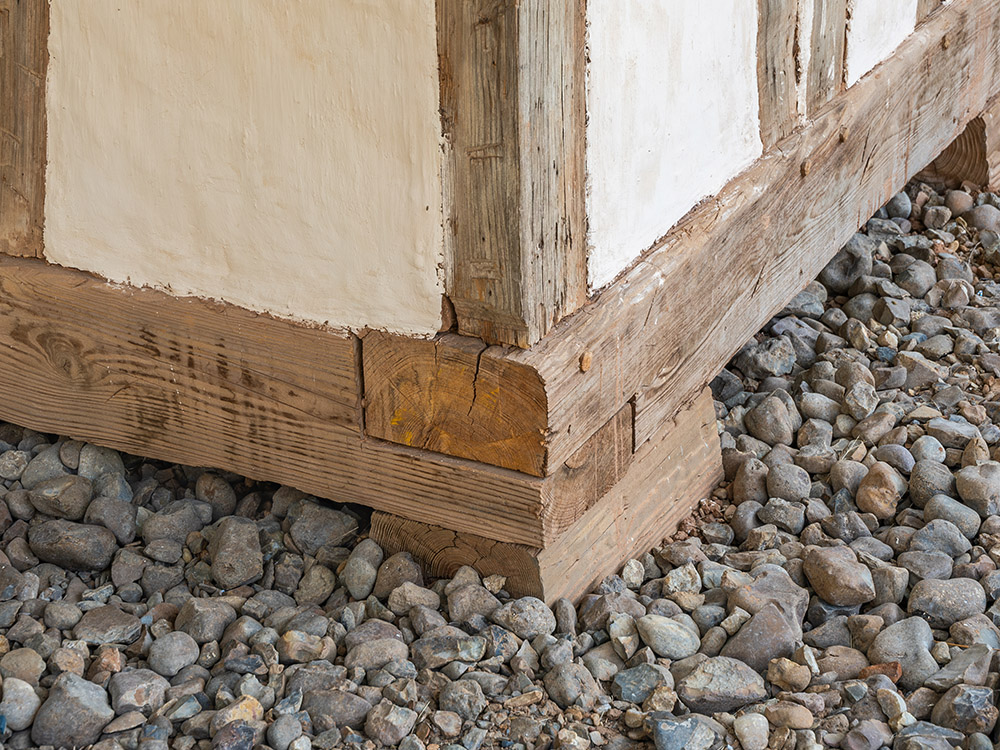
892,669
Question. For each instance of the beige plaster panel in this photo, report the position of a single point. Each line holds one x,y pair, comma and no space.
284,156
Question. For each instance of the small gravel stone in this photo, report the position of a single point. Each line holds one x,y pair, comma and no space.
172,652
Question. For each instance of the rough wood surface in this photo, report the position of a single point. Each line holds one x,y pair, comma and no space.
825,77
443,551
669,474
199,383
777,26
991,134
667,326
926,7
24,34
589,473
453,395
663,482
963,160
513,114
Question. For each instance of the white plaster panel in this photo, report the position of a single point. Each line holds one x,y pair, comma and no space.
672,116
874,29
283,156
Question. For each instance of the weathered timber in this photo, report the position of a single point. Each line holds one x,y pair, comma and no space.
453,395
665,479
24,55
991,133
776,62
964,160
200,383
666,327
513,114
926,7
825,77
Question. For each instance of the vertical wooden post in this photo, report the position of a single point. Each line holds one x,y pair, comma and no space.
777,25
825,76
24,34
513,112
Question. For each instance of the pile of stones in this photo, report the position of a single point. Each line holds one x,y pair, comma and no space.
838,590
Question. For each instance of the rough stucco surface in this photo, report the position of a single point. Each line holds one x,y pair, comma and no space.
874,29
672,108
280,156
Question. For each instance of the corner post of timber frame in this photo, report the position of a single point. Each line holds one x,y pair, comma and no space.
513,114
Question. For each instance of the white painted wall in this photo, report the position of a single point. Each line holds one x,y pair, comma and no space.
283,156
672,107
874,29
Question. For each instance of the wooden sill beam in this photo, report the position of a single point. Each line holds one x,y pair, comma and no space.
656,336
665,328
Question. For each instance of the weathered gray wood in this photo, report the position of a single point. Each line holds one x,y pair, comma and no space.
777,26
513,112
825,77
24,35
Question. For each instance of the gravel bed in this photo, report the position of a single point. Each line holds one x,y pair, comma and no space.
838,590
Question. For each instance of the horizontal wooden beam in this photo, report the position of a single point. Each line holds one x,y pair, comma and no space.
211,384
658,487
667,326
200,383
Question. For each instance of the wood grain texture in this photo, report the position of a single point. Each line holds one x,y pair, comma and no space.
991,132
926,7
24,34
443,551
777,27
453,395
825,77
198,383
964,159
590,473
661,485
667,326
669,474
513,115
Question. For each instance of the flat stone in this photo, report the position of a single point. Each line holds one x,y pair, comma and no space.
720,684
944,602
107,624
74,713
668,638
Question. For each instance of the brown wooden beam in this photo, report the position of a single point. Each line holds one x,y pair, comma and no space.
658,488
514,113
666,327
24,55
202,383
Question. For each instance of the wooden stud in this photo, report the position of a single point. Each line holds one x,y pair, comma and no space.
777,26
666,478
24,35
513,112
825,77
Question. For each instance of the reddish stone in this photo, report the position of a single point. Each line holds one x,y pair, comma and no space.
892,669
